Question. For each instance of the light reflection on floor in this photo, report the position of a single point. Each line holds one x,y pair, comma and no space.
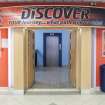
52,77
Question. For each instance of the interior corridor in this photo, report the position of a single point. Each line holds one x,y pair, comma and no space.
52,52
52,77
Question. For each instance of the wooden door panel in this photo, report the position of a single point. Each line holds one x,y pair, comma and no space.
73,59
30,62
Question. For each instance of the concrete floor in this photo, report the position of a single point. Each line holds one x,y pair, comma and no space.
52,77
52,100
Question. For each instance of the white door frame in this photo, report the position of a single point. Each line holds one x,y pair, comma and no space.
10,58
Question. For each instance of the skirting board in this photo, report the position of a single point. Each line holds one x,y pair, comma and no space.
8,91
18,92
90,91
4,91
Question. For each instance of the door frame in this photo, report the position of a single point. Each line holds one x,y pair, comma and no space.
78,46
20,86
45,35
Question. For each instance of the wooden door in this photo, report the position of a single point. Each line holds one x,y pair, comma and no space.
73,59
30,58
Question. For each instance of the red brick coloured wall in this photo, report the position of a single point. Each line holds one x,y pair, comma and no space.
4,61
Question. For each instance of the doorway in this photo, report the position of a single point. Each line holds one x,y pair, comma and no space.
79,60
52,47
41,77
53,58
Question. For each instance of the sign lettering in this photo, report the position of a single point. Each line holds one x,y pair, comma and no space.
51,16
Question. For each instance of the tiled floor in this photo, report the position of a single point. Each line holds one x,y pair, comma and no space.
53,77
53,100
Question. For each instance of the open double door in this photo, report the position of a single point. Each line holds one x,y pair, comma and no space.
24,58
30,58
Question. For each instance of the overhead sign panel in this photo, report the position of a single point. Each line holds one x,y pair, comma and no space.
52,16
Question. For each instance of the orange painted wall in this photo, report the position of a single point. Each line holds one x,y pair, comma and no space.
99,59
4,61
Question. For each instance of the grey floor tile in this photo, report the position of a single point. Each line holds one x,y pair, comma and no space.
53,100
